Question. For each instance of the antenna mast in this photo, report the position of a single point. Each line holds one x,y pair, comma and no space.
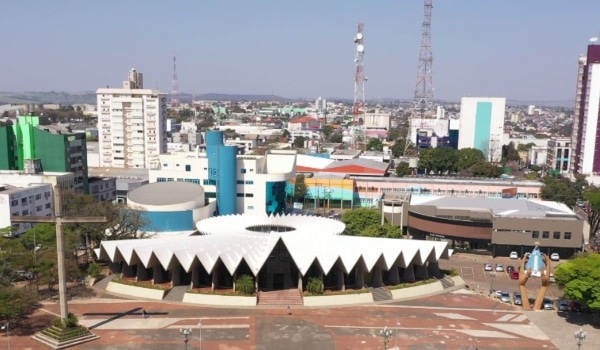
423,101
175,92
359,77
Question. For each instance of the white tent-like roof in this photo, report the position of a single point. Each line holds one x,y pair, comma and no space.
252,238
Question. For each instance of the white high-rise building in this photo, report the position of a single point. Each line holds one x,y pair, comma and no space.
131,124
321,105
482,125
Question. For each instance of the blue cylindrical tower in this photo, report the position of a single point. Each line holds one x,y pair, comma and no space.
222,172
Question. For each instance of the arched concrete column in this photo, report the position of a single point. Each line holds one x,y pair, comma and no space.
377,279
341,282
300,286
394,276
176,276
234,278
127,270
142,273
421,272
360,278
433,269
195,278
409,274
157,274
215,279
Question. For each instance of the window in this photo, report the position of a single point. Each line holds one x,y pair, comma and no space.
243,171
567,235
48,205
23,201
250,207
169,179
14,202
161,179
556,235
188,167
545,234
38,208
25,212
249,194
535,234
240,195
249,182
38,196
240,182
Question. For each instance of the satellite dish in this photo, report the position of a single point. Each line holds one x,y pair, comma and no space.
593,40
360,48
359,36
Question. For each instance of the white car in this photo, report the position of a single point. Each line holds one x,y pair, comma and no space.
554,257
514,255
487,267
499,268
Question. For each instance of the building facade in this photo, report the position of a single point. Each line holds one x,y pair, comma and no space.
47,148
241,184
558,155
131,124
585,145
30,199
482,125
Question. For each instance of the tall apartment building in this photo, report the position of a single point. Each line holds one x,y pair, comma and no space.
132,126
33,148
482,125
29,199
558,158
585,145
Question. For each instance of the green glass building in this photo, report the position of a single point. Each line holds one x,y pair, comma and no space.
57,150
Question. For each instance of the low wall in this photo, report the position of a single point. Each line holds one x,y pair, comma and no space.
418,291
134,291
215,299
340,299
458,281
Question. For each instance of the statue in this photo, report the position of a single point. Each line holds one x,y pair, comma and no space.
534,264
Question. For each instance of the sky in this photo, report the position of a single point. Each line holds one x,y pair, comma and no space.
522,50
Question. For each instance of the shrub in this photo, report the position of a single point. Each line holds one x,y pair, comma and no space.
93,270
70,322
314,285
245,285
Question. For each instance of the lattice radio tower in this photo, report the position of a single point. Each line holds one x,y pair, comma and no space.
175,92
359,77
423,101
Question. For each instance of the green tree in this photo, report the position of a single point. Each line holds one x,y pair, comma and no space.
561,189
358,220
336,138
525,147
15,303
426,159
245,284
403,169
299,142
314,285
467,157
327,130
580,280
510,153
442,159
385,231
593,214
374,144
485,169
300,188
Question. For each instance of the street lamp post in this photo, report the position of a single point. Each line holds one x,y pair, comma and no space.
580,336
200,331
6,326
397,331
492,276
185,332
386,334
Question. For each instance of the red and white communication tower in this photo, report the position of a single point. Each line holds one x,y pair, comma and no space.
175,92
359,76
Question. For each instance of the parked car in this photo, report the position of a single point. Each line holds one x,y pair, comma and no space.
552,279
563,305
514,275
510,269
554,257
514,255
548,304
517,298
487,267
499,268
575,306
505,297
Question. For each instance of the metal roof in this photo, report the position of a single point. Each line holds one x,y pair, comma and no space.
312,239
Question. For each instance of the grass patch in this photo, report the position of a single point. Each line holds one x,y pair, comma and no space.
335,292
452,272
223,292
413,284
145,284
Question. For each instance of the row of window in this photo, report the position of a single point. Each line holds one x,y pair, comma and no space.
546,235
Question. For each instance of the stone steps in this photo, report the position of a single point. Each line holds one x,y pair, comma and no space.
176,293
280,297
380,293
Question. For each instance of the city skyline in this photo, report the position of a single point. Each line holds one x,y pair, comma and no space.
523,51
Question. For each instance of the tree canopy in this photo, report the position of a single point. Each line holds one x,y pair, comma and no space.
467,157
300,188
580,280
403,169
563,190
374,144
367,222
593,212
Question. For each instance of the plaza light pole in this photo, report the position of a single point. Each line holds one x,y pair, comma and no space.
6,326
185,332
200,331
580,336
492,276
386,334
397,330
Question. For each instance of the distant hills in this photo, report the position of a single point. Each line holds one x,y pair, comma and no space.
69,98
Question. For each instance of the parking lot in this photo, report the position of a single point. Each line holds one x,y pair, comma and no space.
470,268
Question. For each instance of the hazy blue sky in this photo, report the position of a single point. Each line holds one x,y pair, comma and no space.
520,49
